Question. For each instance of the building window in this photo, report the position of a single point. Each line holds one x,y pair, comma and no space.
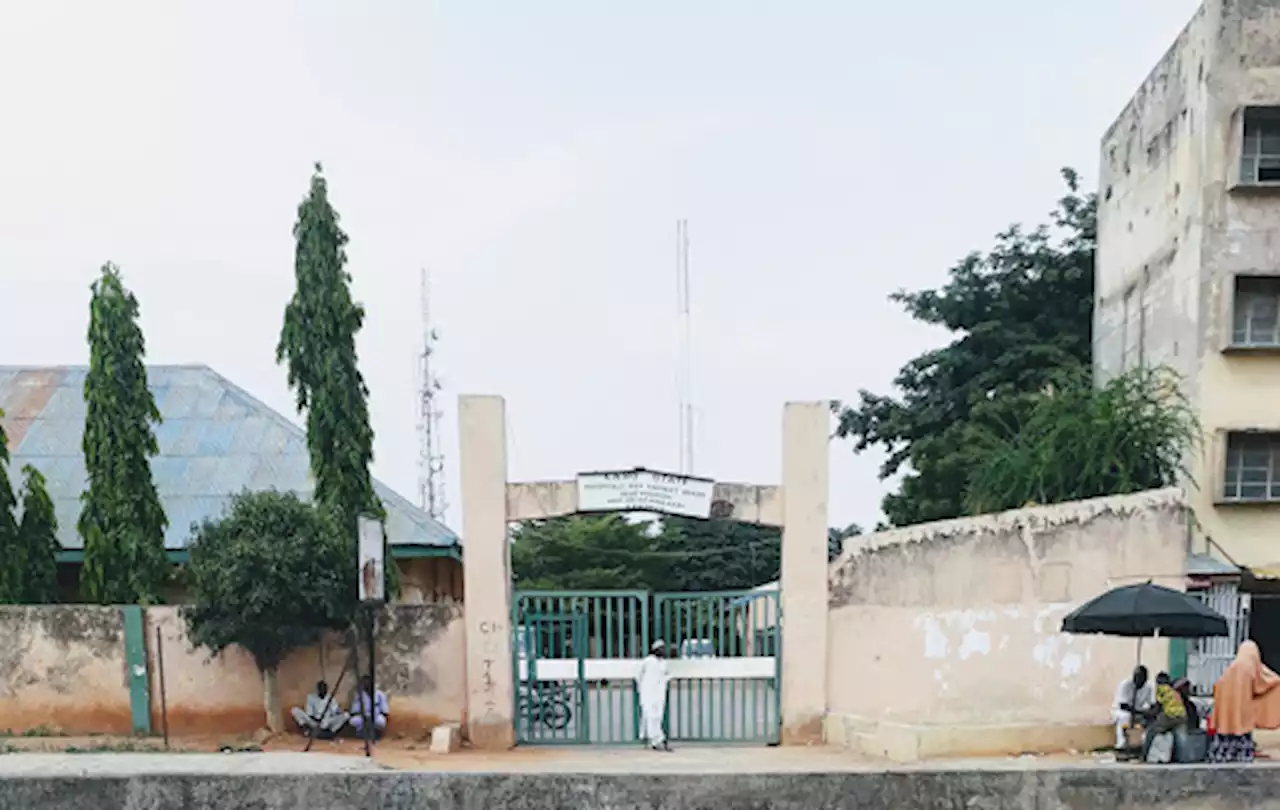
1260,152
1257,312
1253,467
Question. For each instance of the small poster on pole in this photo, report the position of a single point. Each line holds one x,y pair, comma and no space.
371,571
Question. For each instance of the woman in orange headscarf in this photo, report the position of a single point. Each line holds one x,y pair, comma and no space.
1244,698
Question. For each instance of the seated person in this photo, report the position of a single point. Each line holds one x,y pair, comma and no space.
1170,713
1183,687
360,709
1133,702
322,717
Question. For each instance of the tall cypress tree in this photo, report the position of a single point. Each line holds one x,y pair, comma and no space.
121,518
318,343
38,535
10,564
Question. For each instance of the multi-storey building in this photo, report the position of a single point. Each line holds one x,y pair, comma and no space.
1188,276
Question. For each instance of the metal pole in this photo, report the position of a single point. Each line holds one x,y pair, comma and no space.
373,683
164,698
353,664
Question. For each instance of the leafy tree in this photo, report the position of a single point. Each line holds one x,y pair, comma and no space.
718,555
1080,441
583,552
38,541
1021,314
121,519
600,552
10,565
318,345
271,576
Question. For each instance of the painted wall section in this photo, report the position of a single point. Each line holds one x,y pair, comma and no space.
1175,230
64,669
953,627
420,651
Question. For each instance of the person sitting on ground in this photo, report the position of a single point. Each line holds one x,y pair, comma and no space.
1183,687
1133,701
1245,698
322,718
1170,713
360,708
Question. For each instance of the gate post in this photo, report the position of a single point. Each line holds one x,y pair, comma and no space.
486,572
805,440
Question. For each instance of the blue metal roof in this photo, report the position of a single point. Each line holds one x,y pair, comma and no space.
215,441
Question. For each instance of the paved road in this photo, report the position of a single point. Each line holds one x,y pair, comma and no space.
715,711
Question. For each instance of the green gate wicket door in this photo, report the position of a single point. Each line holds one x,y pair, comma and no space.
576,655
727,665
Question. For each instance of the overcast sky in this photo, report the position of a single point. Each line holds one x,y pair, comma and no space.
536,156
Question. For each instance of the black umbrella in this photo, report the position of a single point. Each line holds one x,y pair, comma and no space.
1145,610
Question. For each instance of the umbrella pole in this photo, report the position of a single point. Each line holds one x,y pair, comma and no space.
1139,651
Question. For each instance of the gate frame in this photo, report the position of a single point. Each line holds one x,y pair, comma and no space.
490,502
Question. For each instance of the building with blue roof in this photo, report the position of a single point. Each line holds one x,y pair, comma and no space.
215,440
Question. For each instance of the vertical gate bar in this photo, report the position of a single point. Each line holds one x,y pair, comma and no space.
758,701
731,729
704,610
603,720
582,625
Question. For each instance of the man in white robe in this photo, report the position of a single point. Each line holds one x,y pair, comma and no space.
651,684
322,717
1134,698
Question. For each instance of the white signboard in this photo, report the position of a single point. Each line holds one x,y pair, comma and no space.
371,571
645,491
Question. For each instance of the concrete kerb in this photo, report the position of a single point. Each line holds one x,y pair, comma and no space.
1220,788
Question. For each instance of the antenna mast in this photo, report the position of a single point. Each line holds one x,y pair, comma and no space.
430,457
684,313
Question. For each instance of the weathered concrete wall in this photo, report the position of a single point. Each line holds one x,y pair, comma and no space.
1127,787
63,668
944,637
1175,231
420,651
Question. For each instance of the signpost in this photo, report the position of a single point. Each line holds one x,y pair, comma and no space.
642,490
372,575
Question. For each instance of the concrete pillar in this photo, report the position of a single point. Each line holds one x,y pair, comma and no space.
805,433
486,571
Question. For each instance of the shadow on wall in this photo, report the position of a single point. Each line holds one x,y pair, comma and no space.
68,668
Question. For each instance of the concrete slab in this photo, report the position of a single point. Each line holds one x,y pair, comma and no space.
284,788
118,765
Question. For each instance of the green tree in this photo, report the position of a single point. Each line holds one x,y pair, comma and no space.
271,576
1076,440
583,552
717,555
1021,314
121,518
10,565
38,541
318,345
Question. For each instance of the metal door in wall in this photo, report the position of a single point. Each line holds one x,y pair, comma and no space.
1208,658
726,670
576,658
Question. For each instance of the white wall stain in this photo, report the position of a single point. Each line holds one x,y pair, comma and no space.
975,643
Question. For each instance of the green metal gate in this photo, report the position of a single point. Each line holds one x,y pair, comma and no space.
726,676
577,654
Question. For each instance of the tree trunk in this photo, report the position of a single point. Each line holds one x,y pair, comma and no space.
271,699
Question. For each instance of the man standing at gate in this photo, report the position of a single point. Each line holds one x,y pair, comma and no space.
651,683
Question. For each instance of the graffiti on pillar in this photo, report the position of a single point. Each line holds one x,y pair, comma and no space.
491,649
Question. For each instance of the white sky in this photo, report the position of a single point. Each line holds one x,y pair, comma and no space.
535,156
